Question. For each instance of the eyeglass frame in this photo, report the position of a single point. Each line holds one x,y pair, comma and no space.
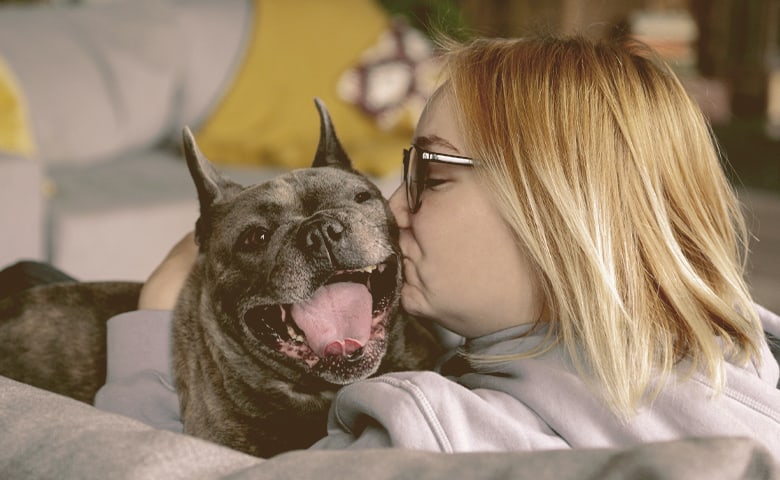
426,157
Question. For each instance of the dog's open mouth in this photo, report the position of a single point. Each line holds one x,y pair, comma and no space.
338,323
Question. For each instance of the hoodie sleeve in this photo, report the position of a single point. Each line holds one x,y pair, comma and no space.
139,374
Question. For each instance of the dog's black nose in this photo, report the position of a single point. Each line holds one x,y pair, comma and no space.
322,234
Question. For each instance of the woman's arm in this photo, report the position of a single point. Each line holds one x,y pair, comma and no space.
162,288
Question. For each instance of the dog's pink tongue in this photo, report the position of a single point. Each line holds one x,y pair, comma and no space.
337,320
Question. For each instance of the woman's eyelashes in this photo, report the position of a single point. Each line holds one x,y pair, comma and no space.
432,183
439,175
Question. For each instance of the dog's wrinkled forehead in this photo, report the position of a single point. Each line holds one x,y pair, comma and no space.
306,191
327,182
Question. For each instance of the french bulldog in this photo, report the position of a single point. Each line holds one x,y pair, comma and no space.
294,293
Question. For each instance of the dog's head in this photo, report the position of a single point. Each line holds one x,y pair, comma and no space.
302,270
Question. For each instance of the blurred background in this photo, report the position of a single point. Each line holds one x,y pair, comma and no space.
726,52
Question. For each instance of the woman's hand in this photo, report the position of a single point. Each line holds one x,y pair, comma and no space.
164,284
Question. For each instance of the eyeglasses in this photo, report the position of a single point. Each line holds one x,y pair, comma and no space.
416,162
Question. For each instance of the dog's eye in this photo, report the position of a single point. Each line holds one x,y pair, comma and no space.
256,237
362,197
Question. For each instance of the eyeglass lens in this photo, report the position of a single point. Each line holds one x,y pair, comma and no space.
416,173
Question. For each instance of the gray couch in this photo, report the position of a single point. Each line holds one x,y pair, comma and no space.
45,436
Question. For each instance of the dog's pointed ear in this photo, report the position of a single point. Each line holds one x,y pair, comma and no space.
330,153
210,184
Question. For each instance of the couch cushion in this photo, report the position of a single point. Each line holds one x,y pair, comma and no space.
214,36
98,79
103,78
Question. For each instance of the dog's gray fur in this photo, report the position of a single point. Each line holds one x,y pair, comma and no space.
264,251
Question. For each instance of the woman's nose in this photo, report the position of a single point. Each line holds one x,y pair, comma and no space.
399,207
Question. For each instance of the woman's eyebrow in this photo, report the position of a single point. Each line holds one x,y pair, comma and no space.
427,141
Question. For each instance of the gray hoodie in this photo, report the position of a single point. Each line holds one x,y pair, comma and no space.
540,403
529,404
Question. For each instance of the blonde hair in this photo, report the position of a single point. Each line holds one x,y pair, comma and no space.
609,175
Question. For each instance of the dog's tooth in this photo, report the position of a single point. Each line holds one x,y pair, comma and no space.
295,335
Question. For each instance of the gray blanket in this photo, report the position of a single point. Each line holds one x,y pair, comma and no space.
43,435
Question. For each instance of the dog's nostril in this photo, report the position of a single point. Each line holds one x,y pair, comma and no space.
313,239
334,231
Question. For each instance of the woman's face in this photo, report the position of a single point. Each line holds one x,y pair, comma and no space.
462,265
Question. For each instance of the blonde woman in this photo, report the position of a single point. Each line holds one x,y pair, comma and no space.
564,211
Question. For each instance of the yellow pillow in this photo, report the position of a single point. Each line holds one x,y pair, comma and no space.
298,51
15,131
